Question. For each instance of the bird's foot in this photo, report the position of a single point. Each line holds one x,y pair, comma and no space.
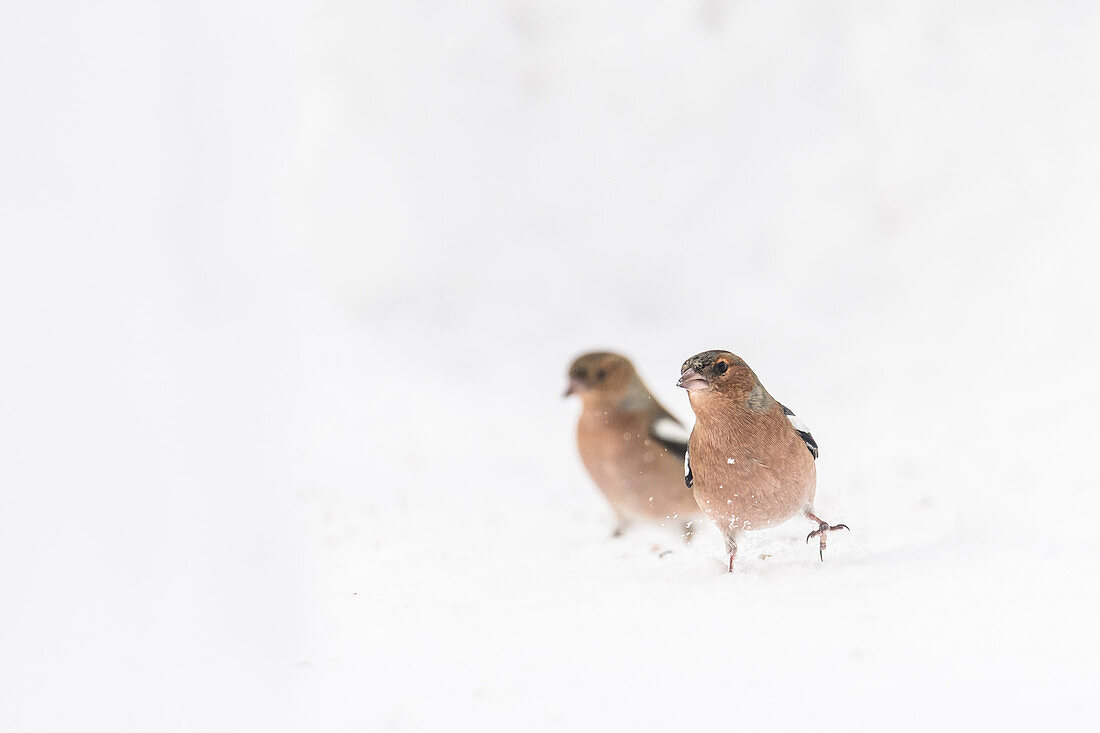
731,547
821,532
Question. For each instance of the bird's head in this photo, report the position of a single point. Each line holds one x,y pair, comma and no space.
600,375
717,373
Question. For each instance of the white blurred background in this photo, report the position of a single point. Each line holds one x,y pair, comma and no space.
287,293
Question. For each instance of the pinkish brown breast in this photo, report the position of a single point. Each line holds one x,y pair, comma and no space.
639,477
751,470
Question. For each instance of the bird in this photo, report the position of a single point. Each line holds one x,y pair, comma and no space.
751,462
631,446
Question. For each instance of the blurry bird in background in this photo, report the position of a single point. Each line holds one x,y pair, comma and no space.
631,446
751,461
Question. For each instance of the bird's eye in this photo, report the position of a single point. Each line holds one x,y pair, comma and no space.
721,367
601,375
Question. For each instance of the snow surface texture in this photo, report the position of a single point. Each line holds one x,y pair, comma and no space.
289,289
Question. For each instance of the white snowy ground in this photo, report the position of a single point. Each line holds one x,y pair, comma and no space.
287,295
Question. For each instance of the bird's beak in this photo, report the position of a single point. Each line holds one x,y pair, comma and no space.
575,386
692,381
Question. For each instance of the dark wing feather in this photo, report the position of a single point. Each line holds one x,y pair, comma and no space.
659,432
802,430
667,432
689,479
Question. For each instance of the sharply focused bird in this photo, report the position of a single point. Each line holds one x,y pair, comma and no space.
632,447
750,461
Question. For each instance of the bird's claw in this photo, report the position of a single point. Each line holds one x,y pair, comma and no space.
821,531
826,528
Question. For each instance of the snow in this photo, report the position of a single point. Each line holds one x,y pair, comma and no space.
287,296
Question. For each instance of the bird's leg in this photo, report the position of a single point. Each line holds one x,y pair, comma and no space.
688,534
731,547
822,528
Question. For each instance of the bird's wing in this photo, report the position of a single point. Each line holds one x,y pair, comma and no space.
689,479
802,430
668,432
